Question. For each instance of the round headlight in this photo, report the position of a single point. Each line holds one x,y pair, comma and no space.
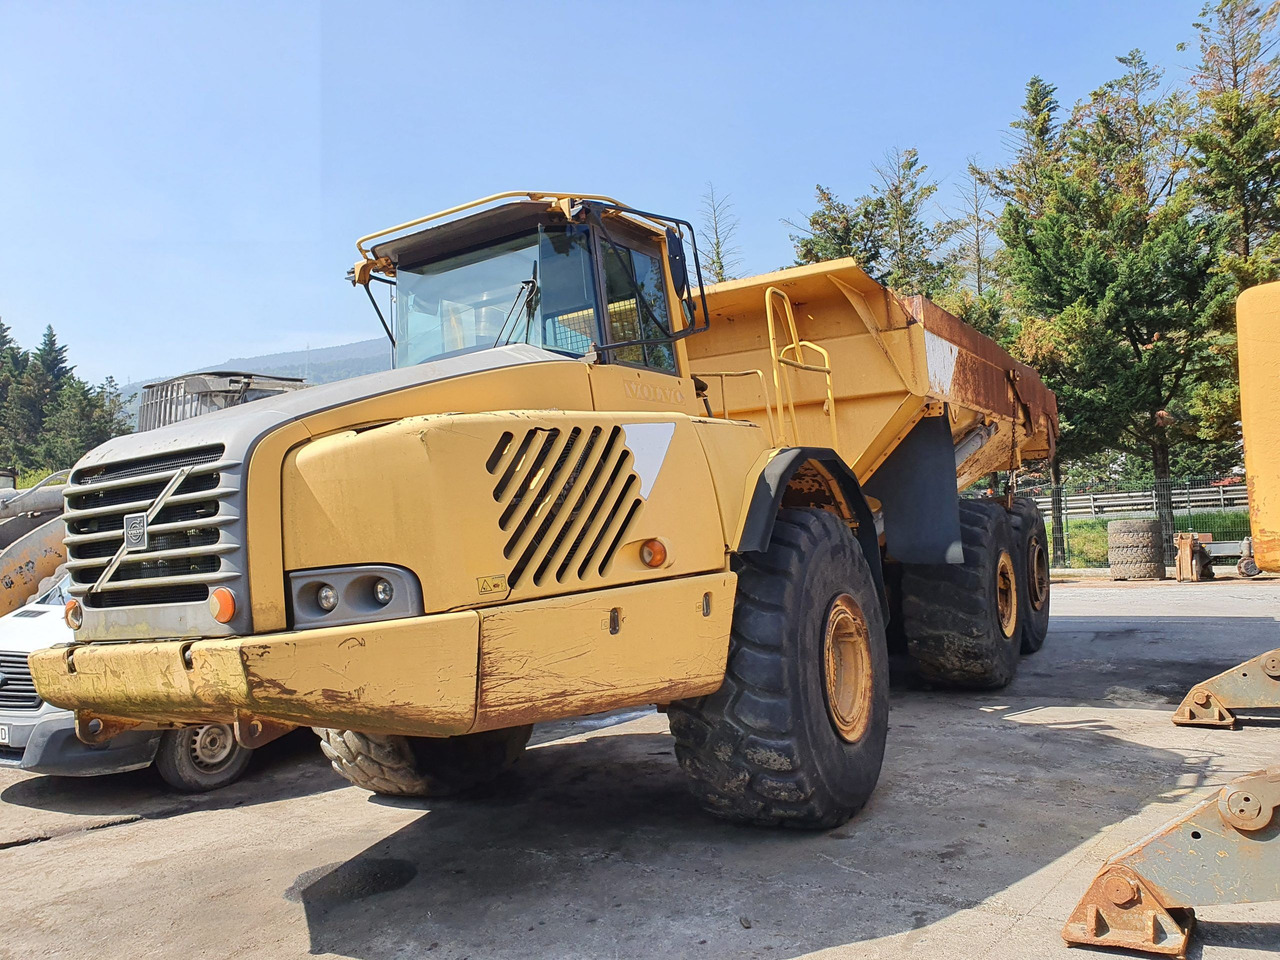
327,597
383,592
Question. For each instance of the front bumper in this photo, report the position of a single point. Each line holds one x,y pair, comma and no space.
439,675
44,741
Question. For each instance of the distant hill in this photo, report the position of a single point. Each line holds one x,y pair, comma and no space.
320,365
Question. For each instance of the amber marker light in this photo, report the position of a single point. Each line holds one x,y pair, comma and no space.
73,613
222,604
653,553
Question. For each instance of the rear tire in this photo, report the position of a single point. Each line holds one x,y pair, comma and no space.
795,736
1031,549
961,620
398,766
201,758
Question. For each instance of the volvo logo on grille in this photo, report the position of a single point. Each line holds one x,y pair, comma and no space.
135,532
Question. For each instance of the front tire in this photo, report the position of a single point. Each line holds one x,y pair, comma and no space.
398,766
795,736
202,758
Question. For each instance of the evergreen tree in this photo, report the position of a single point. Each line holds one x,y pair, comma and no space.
913,257
1036,145
1123,270
836,230
719,228
52,356
1237,142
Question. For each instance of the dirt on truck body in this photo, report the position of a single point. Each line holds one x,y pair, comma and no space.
590,482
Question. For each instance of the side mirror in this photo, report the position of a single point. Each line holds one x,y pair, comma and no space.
677,264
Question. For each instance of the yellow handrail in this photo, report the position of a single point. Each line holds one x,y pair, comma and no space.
792,356
764,392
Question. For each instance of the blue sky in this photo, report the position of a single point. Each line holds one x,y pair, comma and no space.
182,183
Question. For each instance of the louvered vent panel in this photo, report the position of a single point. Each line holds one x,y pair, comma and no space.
568,498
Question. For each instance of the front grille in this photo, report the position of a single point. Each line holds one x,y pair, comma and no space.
568,498
187,540
18,690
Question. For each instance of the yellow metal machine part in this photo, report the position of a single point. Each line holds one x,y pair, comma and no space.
1258,342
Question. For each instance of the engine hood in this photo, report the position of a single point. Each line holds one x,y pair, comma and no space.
239,428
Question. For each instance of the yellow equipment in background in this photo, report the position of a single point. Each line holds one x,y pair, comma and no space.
588,483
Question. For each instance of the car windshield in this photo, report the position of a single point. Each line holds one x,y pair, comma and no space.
534,288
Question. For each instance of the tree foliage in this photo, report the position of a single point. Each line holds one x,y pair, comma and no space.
887,232
49,417
721,259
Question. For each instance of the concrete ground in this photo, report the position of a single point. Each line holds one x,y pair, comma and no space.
992,816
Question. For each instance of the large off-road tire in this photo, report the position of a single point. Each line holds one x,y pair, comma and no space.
201,758
961,620
1031,557
1135,550
421,766
795,735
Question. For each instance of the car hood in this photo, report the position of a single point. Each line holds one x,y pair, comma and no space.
33,627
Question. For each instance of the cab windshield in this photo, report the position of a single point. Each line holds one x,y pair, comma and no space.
535,288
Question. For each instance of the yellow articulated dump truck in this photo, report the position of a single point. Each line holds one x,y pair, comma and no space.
589,482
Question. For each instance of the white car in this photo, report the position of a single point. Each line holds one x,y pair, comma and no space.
38,737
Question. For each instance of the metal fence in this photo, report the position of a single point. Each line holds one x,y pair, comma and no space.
1217,506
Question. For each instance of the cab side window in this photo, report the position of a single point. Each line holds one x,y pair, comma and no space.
628,320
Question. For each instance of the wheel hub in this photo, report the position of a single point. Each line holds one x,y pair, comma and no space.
847,674
1006,594
211,745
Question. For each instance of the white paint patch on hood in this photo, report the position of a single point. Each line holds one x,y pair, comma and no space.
648,443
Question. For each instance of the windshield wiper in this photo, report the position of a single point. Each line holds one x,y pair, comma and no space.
525,298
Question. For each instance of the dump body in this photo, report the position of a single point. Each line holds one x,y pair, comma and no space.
1258,332
893,361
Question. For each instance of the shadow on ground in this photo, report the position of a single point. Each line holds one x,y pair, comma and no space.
289,767
595,848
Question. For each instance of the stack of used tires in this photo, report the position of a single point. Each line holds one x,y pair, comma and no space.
1135,550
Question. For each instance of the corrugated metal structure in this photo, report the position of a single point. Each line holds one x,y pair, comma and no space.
193,394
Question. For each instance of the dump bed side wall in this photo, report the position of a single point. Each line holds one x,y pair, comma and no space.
893,361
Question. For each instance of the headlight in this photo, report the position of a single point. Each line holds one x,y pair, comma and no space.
360,593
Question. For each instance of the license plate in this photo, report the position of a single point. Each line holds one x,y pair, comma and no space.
4,736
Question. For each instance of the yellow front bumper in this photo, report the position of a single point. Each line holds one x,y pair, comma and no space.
421,670
439,675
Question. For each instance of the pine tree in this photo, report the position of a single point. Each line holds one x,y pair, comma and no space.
721,259
52,356
837,229
1123,270
1037,150
1237,143
913,257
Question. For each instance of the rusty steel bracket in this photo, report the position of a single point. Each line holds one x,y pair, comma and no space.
253,732
94,728
1224,850
1253,684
